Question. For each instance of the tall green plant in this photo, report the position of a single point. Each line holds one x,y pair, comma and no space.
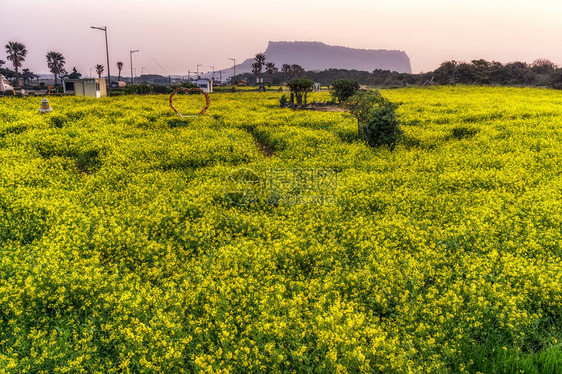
300,87
16,52
343,89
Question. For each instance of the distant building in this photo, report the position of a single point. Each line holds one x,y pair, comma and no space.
205,84
90,87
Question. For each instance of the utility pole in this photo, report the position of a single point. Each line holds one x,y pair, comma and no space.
234,66
104,29
131,56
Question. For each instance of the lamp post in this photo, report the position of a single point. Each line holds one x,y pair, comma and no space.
142,70
104,29
131,57
234,66
198,70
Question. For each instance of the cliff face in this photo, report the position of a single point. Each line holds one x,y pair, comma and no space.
319,56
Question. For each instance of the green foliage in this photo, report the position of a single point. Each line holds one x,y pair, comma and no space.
283,101
300,87
556,80
138,89
343,89
376,117
161,89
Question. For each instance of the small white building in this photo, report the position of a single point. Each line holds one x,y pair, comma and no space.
90,87
205,84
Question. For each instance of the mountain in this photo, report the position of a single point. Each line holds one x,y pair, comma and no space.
319,56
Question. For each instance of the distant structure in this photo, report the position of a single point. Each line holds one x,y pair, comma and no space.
205,84
90,87
319,56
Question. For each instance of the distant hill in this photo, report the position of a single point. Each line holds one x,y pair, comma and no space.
319,56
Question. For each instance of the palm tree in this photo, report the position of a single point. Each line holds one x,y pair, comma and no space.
99,70
256,70
286,70
257,66
271,69
55,63
120,67
16,53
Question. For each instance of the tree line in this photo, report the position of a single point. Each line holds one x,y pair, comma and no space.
540,73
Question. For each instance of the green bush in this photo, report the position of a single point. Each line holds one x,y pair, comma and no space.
300,87
138,89
377,122
343,89
283,101
161,89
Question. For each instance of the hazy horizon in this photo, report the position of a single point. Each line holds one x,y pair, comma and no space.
179,35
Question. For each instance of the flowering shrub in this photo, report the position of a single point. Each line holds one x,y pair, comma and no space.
120,251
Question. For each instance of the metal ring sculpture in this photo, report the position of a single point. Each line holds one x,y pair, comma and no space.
208,100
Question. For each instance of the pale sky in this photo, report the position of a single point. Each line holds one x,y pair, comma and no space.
180,34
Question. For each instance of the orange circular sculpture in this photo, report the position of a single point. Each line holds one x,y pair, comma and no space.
207,99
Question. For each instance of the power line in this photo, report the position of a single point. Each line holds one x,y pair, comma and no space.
153,59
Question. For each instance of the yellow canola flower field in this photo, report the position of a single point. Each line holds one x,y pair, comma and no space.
259,239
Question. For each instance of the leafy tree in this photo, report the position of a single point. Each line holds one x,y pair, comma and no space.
300,87
286,70
481,71
377,122
343,89
55,63
99,70
445,73
2,62
16,52
271,69
556,79
297,71
119,67
543,66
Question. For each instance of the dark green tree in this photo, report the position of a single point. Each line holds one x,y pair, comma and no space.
55,63
16,52
300,87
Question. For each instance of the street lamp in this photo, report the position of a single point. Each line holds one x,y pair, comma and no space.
131,56
104,29
198,70
234,66
142,70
